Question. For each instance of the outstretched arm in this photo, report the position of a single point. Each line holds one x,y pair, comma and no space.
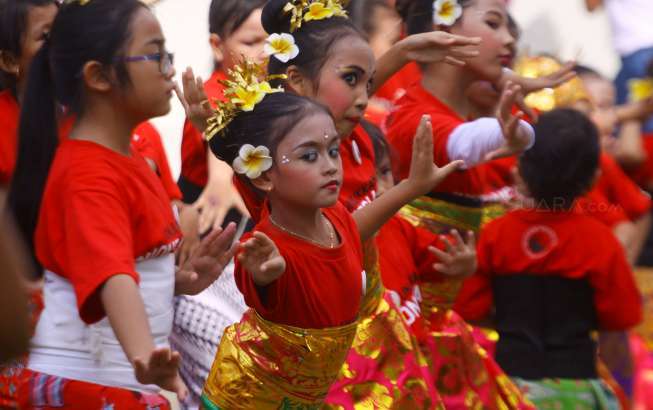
126,312
261,258
424,176
436,46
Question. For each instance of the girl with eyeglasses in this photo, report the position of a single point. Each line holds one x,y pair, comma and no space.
97,219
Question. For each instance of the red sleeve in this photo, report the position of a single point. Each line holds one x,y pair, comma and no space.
622,191
98,242
596,205
147,142
475,300
424,259
616,297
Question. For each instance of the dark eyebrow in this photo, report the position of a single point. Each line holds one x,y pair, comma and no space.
495,12
360,70
156,41
313,144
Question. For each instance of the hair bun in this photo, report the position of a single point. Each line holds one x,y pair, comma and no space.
274,19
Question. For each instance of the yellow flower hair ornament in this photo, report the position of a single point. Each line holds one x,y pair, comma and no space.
446,12
247,84
282,46
252,161
313,10
640,89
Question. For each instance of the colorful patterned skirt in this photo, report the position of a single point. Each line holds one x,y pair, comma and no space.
568,394
466,376
385,368
41,391
264,365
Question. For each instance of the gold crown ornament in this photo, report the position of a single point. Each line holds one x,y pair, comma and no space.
547,99
246,85
313,10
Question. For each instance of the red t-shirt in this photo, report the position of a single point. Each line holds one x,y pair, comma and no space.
403,124
396,86
621,190
9,113
147,141
359,170
643,174
101,211
564,244
498,173
321,287
194,149
405,261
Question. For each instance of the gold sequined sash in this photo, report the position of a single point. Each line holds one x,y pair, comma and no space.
264,365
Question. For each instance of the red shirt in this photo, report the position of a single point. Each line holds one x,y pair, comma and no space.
320,288
194,150
9,113
621,190
498,173
404,260
359,170
643,174
564,244
396,86
403,124
101,211
147,141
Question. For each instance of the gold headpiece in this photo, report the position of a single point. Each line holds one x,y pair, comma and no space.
307,10
549,98
246,85
640,89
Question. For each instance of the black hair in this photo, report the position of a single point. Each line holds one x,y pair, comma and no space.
13,26
562,164
314,38
583,70
418,14
226,16
379,142
97,31
361,13
270,121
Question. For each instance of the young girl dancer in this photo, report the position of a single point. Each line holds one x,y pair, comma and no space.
100,222
289,348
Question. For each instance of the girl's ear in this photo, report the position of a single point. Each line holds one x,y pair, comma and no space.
216,47
263,182
95,77
298,82
9,63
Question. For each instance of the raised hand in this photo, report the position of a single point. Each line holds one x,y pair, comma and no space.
516,138
261,258
424,174
161,369
208,261
459,259
439,46
194,100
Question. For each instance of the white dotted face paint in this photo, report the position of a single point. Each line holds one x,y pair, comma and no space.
285,159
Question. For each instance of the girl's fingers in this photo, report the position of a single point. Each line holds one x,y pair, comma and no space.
454,61
443,256
471,240
450,168
459,243
442,268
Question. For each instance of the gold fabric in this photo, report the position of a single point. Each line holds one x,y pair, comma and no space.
264,365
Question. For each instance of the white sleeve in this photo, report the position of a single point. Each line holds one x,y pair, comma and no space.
473,140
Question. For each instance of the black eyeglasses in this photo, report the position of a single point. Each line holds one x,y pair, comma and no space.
165,60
